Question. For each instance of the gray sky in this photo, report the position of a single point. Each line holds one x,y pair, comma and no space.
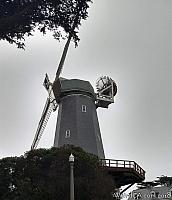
128,40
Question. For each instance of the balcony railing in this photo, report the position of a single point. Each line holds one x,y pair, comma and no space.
123,164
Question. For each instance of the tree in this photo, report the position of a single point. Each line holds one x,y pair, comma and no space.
164,180
44,174
19,18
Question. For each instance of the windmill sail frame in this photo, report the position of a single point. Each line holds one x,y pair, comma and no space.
42,123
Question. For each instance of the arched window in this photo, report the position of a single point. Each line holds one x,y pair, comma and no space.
84,108
67,134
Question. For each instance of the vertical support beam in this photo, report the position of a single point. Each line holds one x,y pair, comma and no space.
71,181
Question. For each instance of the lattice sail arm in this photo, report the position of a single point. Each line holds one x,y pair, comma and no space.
60,67
43,122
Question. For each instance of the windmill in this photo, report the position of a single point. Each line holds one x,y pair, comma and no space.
77,122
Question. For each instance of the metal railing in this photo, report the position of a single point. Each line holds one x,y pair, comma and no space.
122,164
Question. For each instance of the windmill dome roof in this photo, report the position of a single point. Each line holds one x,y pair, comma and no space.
76,86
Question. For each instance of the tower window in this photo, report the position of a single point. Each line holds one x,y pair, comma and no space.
67,135
84,108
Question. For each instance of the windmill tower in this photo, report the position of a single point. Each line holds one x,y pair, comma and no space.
77,121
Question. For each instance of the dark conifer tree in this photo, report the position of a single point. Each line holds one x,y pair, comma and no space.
44,174
20,18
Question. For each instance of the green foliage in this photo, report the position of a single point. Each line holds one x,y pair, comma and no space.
44,174
164,180
19,18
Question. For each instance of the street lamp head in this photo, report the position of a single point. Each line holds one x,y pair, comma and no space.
71,158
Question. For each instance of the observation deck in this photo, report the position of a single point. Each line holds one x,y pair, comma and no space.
124,172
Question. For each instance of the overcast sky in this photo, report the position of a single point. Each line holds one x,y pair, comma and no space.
130,41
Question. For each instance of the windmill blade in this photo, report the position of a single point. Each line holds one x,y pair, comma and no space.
59,70
43,122
65,50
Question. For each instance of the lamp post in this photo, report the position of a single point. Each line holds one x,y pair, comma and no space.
71,161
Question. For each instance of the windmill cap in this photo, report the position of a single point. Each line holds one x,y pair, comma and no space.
76,86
